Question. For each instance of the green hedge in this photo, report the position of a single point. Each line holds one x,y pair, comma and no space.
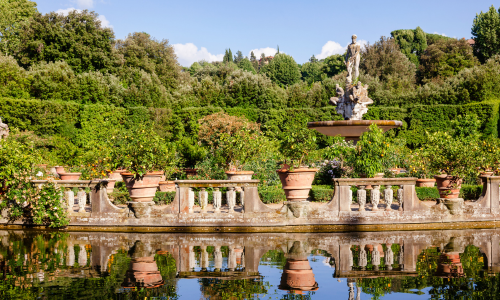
468,192
164,198
271,194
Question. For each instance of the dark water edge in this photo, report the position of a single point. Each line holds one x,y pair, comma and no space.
440,264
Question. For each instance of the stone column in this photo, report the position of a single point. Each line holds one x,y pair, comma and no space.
82,199
389,257
82,256
192,260
388,195
191,200
242,198
375,197
231,199
217,259
203,196
71,255
70,198
400,197
217,199
362,198
363,260
204,258
375,257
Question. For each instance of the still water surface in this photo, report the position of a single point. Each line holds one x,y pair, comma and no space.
453,264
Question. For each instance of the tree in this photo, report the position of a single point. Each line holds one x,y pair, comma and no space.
313,59
252,57
446,58
254,61
384,60
225,59
411,42
78,38
283,70
12,14
230,56
333,65
13,80
246,65
486,34
195,67
140,50
238,57
311,72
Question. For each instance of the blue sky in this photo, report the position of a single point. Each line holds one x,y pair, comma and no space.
204,29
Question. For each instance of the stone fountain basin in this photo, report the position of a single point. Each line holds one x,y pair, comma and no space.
351,129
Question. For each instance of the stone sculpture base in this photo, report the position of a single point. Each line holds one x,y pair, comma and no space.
455,206
141,210
297,209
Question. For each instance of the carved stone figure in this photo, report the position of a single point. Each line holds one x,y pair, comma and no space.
352,103
4,129
352,59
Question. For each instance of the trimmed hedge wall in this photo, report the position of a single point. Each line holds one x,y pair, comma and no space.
468,192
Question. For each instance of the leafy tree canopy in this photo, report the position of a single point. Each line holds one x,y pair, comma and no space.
412,42
311,72
486,34
246,65
333,65
78,38
282,70
12,14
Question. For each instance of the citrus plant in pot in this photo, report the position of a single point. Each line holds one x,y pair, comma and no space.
372,153
297,143
147,157
418,166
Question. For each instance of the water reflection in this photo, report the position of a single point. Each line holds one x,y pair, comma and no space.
437,264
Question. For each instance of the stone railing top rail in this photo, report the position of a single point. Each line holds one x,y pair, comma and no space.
217,183
71,183
375,181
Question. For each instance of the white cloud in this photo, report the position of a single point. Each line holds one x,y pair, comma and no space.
331,48
85,4
188,54
435,32
268,51
102,18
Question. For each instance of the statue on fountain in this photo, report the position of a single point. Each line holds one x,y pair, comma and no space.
4,129
352,103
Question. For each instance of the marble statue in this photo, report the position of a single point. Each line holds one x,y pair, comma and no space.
352,59
352,103
4,129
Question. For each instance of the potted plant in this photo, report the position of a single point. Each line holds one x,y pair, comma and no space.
147,156
73,174
418,166
297,143
372,153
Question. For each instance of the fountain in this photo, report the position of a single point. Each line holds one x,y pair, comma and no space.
352,104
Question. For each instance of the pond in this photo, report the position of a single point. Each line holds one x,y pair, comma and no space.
361,265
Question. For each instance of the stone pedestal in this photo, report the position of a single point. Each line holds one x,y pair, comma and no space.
455,206
297,209
141,210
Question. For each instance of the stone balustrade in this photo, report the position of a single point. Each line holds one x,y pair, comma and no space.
248,196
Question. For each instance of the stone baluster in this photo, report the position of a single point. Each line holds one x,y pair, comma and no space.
71,255
82,256
243,259
401,257
363,259
362,198
191,200
349,194
69,195
217,199
350,284
203,196
242,198
375,257
217,259
351,260
204,258
82,199
358,292
231,260
375,193
389,257
192,260
400,197
388,195
231,199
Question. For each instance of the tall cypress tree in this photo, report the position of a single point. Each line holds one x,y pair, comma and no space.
238,57
230,56
252,57
225,58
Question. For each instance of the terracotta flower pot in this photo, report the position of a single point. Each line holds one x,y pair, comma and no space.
239,175
448,186
111,185
191,172
421,182
297,183
298,275
167,186
116,175
450,265
70,176
60,169
142,189
487,173
143,272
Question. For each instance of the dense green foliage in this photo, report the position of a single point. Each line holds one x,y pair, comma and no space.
282,70
486,33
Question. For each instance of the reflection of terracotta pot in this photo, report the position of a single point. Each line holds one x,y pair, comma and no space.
298,276
116,175
239,255
297,183
143,272
167,186
142,189
70,176
450,265
426,182
448,186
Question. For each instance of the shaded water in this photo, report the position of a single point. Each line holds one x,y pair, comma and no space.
376,265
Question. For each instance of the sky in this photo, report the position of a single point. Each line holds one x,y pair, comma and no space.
202,29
